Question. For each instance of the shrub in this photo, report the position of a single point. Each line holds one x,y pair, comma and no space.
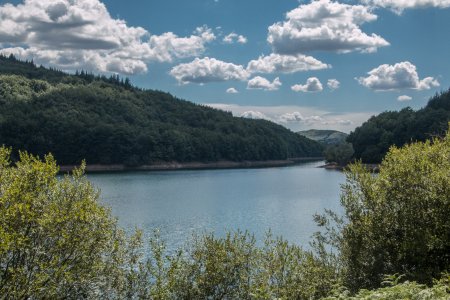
55,239
394,290
397,221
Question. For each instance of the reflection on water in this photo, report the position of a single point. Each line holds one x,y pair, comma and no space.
181,203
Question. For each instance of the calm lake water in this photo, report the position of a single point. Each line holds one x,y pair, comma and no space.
181,203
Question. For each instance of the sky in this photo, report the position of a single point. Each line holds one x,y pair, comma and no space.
303,64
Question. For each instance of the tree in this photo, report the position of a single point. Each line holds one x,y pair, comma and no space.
374,137
395,290
340,153
56,241
398,221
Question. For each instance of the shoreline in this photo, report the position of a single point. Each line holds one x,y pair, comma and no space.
375,168
173,166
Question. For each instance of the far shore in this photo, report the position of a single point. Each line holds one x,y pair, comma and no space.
170,166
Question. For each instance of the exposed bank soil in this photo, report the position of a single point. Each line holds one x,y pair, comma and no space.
193,165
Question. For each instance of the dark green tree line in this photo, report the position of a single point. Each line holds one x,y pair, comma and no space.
107,121
373,139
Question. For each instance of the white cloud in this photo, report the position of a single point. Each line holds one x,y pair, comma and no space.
206,70
232,90
402,75
399,5
404,98
333,84
345,122
313,121
313,84
242,39
234,38
276,63
168,46
262,83
299,117
82,34
324,25
250,114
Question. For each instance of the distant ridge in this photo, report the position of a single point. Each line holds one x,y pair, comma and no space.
327,137
108,121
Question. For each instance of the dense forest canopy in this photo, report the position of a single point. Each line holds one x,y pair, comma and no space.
372,140
106,120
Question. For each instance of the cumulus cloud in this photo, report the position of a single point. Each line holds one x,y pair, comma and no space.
276,63
313,120
345,122
254,115
312,84
262,83
402,75
327,26
232,90
398,6
298,117
234,38
81,34
206,70
73,59
168,46
404,98
333,84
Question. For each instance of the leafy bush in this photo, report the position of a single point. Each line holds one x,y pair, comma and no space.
234,268
55,239
397,221
339,153
394,291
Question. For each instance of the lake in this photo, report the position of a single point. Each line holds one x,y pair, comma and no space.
181,203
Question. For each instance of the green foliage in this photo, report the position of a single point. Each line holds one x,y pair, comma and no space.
373,139
107,121
54,236
339,153
397,221
17,88
233,267
394,291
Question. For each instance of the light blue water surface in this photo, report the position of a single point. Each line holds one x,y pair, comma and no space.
181,203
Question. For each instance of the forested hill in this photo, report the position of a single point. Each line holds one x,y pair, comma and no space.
327,137
372,140
108,121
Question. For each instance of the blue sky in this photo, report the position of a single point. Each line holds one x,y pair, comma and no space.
303,64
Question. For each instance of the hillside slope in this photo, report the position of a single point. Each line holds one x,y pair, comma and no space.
108,121
327,137
372,139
